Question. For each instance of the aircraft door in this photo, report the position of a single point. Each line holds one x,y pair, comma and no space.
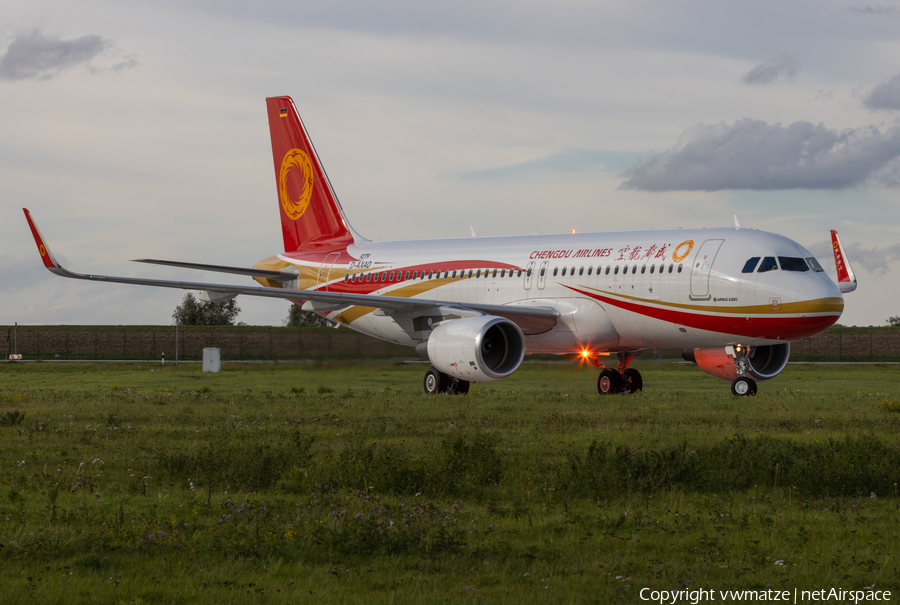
703,263
529,269
542,275
325,268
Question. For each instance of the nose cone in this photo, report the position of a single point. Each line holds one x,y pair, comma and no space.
820,304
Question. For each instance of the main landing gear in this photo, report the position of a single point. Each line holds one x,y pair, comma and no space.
438,382
623,380
743,385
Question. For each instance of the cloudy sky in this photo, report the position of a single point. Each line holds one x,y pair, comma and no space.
138,129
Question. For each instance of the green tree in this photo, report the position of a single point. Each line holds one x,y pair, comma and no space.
894,321
298,318
192,312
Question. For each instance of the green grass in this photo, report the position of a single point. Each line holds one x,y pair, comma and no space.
342,482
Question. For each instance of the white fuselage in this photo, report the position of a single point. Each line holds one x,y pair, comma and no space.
618,291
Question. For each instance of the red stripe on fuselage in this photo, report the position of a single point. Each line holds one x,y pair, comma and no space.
768,327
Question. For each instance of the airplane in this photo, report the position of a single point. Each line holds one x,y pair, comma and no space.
732,299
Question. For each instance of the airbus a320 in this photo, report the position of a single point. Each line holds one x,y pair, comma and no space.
732,299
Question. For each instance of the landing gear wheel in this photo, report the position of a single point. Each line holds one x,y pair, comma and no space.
633,381
455,386
610,382
743,387
435,382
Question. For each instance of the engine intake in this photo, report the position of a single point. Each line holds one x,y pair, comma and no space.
478,349
764,362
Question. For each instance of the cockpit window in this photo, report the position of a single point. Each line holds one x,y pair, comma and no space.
814,265
767,264
750,265
790,263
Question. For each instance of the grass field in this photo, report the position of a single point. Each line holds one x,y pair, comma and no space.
343,483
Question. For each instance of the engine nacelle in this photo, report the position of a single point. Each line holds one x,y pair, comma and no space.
764,362
478,349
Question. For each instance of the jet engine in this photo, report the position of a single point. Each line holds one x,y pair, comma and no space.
763,363
476,349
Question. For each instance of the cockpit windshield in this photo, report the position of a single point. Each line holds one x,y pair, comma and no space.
814,265
767,264
790,263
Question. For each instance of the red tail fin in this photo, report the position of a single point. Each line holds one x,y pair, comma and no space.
311,216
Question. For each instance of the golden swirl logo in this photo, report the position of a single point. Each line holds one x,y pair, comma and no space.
295,183
42,250
678,255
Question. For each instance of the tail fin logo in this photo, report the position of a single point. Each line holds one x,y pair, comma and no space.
295,183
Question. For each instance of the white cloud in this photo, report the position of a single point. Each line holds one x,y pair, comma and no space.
784,67
36,56
751,154
885,96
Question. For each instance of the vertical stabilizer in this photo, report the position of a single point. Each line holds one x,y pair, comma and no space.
311,216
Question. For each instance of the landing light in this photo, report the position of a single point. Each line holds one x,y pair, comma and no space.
573,231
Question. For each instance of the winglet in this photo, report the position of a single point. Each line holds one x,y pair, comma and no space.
46,255
846,277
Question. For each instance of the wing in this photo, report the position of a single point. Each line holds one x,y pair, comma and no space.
530,319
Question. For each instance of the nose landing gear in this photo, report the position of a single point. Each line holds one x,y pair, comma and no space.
743,385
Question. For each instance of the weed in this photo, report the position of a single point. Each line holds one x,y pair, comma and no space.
12,418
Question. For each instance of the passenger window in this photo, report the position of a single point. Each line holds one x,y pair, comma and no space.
814,265
446,273
790,263
616,272
572,271
564,272
346,278
407,276
495,273
643,268
454,275
652,269
368,277
750,265
470,273
767,264
679,268
528,273
607,269
590,270
391,276
581,271
634,270
502,272
542,271
430,274
671,266
662,267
